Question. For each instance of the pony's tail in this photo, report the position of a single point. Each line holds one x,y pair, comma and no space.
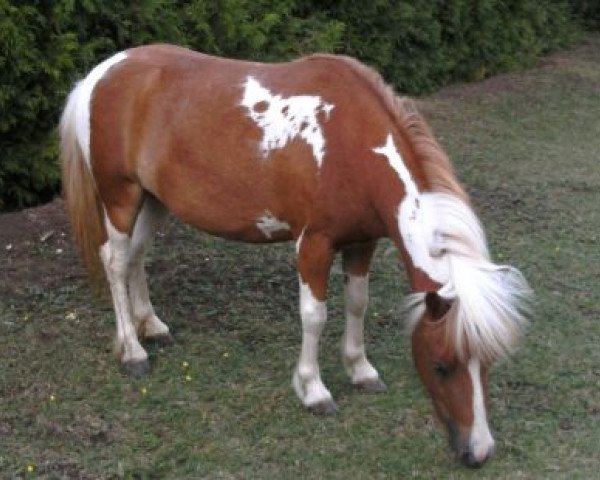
81,197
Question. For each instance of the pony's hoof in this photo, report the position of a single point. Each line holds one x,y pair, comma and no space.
374,385
136,368
161,340
324,407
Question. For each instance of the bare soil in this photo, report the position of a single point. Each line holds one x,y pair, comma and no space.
26,233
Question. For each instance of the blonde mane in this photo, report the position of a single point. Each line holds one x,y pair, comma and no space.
490,301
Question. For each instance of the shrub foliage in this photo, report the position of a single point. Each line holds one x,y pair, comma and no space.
588,13
417,44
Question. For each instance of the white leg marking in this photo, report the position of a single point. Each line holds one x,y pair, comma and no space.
481,442
307,378
147,323
84,90
283,119
269,224
115,257
356,297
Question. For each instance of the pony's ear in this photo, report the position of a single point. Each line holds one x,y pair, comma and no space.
436,305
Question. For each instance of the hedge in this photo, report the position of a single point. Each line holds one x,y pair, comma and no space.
418,45
587,13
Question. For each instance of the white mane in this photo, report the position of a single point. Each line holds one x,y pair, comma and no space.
491,301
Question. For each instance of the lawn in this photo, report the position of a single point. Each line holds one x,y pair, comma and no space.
218,404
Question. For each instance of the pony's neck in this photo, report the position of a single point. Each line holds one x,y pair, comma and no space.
418,164
419,279
407,211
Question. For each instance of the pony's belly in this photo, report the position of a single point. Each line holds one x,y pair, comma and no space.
263,227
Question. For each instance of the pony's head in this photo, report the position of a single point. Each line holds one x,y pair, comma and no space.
458,331
456,383
478,308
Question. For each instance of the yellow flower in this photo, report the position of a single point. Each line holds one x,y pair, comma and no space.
144,391
185,364
30,468
188,378
225,354
53,398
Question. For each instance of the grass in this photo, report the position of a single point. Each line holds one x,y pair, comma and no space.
527,147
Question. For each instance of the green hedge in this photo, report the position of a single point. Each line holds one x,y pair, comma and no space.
588,13
420,45
417,44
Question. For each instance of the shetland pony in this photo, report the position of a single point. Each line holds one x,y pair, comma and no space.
319,151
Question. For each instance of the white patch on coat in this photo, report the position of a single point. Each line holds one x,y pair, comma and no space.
282,119
416,219
481,442
82,95
268,224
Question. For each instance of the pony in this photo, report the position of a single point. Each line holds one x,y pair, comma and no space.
320,151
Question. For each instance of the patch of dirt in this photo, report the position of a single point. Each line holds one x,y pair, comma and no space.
502,83
498,198
514,208
33,223
515,82
63,469
555,60
36,250
87,429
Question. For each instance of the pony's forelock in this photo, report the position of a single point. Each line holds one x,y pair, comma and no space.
492,301
414,308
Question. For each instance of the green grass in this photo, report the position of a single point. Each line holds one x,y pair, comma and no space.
527,146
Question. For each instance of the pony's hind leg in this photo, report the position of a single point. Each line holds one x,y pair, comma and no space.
356,260
116,254
147,323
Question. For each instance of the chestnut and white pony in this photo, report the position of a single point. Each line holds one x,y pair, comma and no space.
319,151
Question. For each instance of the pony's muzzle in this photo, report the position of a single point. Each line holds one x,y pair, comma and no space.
472,456
471,460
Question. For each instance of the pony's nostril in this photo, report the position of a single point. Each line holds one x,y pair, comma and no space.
467,458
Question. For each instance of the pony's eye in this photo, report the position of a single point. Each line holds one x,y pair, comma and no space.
441,370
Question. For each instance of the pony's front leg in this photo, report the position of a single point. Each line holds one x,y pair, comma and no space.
356,261
315,256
